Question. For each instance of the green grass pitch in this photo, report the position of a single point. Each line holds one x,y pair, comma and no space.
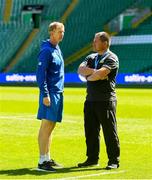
19,129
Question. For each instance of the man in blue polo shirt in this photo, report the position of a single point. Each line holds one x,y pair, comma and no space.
50,79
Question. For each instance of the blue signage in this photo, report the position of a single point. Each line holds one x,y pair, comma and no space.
134,79
75,78
15,77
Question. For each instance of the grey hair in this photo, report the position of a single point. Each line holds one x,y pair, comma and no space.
104,37
54,25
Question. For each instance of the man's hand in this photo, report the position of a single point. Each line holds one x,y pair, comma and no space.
84,70
96,78
46,101
99,74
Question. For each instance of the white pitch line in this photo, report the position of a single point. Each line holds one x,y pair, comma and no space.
16,117
31,117
92,175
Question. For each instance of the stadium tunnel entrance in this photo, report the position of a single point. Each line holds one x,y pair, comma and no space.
31,14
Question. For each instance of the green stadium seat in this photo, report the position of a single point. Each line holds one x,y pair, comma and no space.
12,36
88,17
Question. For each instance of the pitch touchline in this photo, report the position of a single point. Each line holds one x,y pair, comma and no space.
91,175
29,118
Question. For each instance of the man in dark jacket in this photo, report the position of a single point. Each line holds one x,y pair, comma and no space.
100,70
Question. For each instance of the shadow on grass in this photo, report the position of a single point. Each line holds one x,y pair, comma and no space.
32,171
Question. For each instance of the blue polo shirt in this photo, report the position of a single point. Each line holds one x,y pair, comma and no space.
50,70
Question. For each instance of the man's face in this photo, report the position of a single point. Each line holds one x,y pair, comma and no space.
98,45
58,33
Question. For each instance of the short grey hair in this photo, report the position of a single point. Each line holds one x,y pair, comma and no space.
104,37
54,25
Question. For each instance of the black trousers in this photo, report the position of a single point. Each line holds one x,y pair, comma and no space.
97,114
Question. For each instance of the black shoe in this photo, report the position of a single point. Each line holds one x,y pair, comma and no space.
45,166
88,163
54,163
112,166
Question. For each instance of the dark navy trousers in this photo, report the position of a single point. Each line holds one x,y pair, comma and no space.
97,115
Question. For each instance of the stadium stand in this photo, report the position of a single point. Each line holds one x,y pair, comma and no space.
125,66
28,61
144,3
7,10
52,9
12,36
81,23
2,10
32,50
134,57
90,20
144,28
138,58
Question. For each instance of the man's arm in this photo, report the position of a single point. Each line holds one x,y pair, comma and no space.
99,74
84,70
41,72
41,76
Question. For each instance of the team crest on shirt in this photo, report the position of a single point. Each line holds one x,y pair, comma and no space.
55,56
101,61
